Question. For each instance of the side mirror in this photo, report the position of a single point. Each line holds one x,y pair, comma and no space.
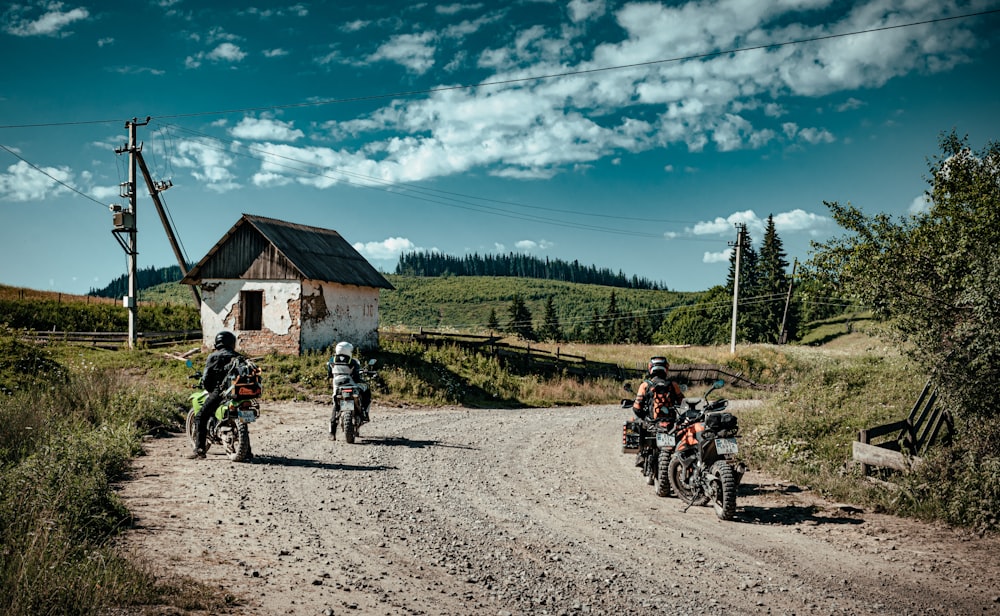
718,384
189,364
372,362
683,387
627,387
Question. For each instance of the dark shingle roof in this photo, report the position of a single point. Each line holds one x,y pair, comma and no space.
318,254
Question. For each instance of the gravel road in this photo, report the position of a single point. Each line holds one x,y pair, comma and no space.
458,511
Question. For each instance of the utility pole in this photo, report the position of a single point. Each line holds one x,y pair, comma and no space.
783,334
741,230
155,188
125,224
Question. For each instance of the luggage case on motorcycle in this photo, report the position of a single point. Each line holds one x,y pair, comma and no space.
630,437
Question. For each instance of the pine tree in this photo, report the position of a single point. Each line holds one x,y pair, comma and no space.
492,323
773,284
550,330
520,319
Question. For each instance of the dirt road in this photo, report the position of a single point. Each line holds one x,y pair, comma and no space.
455,511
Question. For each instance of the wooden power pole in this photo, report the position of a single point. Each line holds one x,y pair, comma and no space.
783,334
125,224
740,240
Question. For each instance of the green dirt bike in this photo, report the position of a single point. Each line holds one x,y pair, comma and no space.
230,426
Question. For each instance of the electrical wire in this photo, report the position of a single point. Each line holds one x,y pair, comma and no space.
51,177
500,82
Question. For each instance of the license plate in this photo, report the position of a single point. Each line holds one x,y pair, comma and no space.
347,404
726,445
665,440
247,416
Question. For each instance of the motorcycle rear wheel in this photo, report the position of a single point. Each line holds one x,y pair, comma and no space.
239,448
724,488
663,487
679,478
349,428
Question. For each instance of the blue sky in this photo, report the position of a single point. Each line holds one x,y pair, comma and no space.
626,135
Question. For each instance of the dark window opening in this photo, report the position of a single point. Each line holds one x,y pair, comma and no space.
251,310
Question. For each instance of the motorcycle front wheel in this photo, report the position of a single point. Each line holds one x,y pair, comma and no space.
723,484
190,426
679,481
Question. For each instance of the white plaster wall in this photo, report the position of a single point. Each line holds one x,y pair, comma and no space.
351,314
219,299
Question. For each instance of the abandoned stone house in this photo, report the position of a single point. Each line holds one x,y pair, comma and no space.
287,288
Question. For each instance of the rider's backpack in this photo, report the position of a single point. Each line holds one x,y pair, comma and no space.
659,397
242,379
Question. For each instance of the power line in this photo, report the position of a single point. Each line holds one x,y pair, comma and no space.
500,82
50,176
449,199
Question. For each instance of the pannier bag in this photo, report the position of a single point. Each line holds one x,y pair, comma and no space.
721,423
630,437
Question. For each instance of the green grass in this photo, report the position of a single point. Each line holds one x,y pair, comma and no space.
65,437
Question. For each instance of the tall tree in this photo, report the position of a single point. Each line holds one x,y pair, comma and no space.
550,329
519,322
613,326
492,322
773,281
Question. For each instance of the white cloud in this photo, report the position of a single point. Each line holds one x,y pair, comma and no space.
207,164
538,128
717,257
389,248
22,182
51,23
532,245
265,129
451,9
227,52
275,53
104,42
584,10
919,205
850,104
794,221
414,51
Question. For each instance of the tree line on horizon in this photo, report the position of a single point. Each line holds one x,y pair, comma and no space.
520,265
144,278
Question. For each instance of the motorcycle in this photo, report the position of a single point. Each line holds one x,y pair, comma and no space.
347,403
653,441
229,426
704,467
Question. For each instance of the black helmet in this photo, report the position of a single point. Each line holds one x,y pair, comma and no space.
658,361
225,340
658,370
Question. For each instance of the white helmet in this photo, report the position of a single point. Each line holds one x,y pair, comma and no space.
344,348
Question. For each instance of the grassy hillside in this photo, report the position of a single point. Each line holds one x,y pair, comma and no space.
464,302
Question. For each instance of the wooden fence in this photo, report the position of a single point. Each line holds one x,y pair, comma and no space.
116,340
529,359
911,437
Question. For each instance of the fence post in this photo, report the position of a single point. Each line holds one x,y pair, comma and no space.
863,438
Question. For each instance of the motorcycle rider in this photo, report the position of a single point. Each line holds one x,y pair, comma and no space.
213,378
343,356
648,407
